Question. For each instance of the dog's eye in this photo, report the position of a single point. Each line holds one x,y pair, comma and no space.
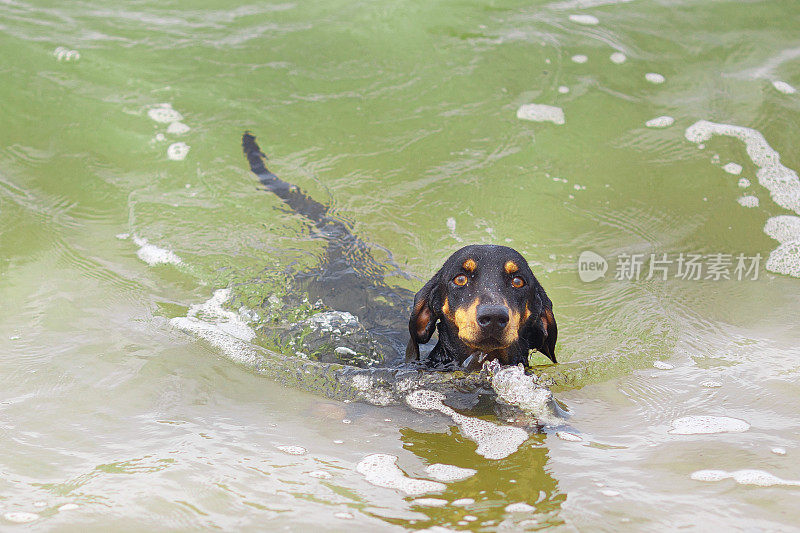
517,282
460,280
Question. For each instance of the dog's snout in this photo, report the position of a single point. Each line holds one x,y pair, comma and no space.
492,316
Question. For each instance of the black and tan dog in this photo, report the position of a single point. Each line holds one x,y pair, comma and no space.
488,305
485,301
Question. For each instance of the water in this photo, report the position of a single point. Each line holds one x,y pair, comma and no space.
122,127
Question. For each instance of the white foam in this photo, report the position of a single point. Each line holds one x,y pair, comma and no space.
759,478
563,89
654,77
541,113
68,507
579,58
462,502
748,201
732,168
380,470
697,425
781,182
783,228
782,86
177,151
569,437
153,255
587,20
494,442
609,492
21,517
160,137
430,502
517,388
785,259
778,451
520,507
292,450
320,474
177,128
449,473
222,328
342,515
710,384
65,54
618,58
660,122
744,183
661,365
164,113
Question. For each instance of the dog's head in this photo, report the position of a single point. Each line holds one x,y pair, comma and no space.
486,300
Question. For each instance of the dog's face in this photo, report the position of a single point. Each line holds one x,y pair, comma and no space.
486,301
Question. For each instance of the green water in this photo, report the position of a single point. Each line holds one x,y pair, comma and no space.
404,117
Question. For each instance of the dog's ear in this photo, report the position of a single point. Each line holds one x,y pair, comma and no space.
424,315
541,330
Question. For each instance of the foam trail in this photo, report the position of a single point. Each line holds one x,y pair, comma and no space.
494,442
380,470
781,182
153,255
759,478
700,425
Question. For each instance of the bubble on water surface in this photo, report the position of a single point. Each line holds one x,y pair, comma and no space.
20,517
494,441
759,478
449,473
662,365
563,89
430,502
588,20
164,113
785,259
783,87
379,469
579,58
463,502
517,388
541,113
744,183
320,474
65,54
698,425
520,507
154,255
618,58
711,384
783,228
610,492
654,77
732,168
660,122
68,507
177,151
778,451
748,201
177,128
343,515
292,450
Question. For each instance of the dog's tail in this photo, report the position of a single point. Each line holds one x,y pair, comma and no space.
299,201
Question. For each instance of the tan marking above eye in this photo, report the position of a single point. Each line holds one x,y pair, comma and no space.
510,267
460,280
517,282
470,265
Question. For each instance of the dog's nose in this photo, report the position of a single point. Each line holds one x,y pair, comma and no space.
492,316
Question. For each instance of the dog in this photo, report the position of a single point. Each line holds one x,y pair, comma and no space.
487,305
484,301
